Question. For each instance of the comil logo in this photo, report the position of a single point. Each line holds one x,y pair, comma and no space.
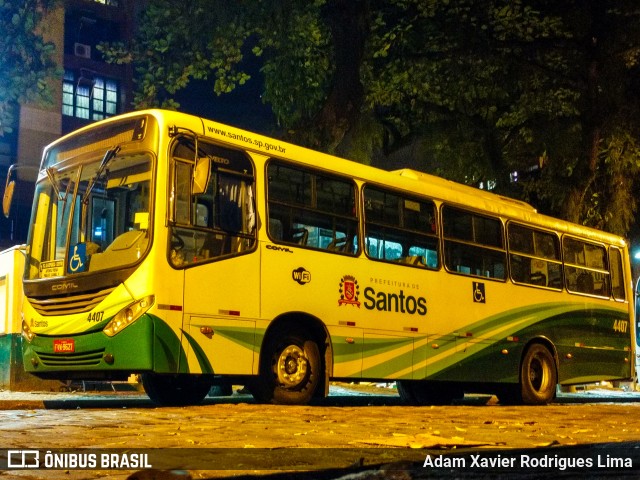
60,287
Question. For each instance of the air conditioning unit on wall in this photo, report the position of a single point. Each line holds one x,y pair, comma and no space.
81,50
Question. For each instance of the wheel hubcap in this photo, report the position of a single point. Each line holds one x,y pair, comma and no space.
292,366
538,374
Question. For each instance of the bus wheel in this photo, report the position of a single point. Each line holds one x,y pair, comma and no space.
425,393
290,371
175,390
538,376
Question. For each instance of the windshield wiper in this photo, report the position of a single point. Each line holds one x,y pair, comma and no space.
54,183
108,156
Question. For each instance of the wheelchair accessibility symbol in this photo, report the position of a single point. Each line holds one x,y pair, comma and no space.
478,292
77,258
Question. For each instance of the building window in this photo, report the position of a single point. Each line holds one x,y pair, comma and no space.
111,3
88,96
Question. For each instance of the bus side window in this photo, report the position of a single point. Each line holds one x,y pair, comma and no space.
311,209
229,204
400,229
202,215
275,228
216,217
474,244
617,274
586,268
534,256
182,193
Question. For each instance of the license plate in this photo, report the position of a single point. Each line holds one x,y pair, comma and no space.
66,345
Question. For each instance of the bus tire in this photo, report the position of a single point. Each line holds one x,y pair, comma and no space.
175,390
538,376
414,392
290,371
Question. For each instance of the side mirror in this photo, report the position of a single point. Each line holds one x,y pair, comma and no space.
201,174
7,197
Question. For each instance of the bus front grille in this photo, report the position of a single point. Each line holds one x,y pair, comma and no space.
69,304
83,359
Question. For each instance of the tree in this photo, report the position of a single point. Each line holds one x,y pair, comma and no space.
499,87
485,87
26,60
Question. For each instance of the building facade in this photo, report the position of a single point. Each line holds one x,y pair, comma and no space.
90,90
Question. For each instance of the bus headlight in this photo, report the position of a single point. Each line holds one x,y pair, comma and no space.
26,331
128,315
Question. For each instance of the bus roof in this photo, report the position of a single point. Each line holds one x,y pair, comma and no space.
406,179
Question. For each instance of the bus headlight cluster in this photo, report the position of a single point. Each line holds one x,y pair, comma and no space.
26,331
128,315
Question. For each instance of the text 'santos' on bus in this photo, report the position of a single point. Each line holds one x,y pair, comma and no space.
197,254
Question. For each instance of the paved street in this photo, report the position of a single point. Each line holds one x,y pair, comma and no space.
344,430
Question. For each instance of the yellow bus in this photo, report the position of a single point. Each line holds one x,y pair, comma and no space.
196,254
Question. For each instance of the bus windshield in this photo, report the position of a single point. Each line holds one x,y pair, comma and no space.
90,217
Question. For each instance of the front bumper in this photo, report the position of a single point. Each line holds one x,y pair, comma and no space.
94,355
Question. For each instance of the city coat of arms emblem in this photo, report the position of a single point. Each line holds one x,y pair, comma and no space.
349,291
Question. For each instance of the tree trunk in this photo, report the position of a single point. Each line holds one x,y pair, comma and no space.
583,176
348,21
586,169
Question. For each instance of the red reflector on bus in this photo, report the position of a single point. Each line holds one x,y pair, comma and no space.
173,308
235,313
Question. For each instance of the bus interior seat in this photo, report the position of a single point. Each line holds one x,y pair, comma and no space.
299,236
415,260
584,283
555,283
538,278
342,244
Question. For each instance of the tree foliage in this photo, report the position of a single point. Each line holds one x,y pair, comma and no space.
484,87
26,60
510,86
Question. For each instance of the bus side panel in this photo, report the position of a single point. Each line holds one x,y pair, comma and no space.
346,345
221,306
372,318
306,282
592,341
584,337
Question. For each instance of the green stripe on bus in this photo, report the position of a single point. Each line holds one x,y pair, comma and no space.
201,356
